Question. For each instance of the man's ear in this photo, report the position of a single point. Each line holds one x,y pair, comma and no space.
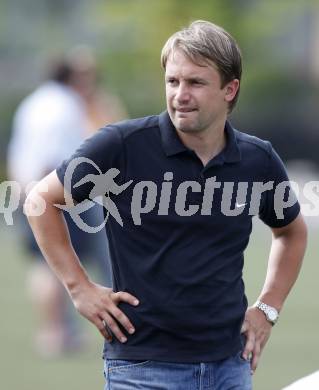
231,89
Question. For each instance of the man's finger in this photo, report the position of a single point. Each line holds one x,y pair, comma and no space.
264,341
104,330
255,356
112,325
122,319
250,344
117,297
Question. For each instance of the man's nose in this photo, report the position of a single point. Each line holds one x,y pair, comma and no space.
182,93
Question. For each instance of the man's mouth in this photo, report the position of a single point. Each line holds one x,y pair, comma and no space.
184,109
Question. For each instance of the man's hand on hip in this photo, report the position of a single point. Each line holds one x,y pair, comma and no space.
257,330
99,305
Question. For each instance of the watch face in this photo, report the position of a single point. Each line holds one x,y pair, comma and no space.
272,314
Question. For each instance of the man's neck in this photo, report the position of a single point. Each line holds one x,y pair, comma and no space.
206,144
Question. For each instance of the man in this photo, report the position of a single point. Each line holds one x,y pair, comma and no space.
49,124
175,317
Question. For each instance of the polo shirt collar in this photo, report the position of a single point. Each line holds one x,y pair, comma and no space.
172,144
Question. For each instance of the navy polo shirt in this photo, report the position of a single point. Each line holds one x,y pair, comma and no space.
180,246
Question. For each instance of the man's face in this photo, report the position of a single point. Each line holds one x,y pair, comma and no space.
194,96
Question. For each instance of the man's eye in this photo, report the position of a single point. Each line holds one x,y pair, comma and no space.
172,81
196,82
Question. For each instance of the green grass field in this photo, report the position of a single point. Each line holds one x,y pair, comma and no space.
290,353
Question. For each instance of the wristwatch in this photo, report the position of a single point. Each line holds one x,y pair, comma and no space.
270,312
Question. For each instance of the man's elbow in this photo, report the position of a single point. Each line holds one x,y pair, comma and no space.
300,230
295,232
35,204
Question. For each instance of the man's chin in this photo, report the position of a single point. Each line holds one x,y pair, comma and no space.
188,130
182,124
186,127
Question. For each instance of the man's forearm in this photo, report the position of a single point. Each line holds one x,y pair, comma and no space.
285,259
53,238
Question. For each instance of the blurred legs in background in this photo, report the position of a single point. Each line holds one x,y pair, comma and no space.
58,330
48,301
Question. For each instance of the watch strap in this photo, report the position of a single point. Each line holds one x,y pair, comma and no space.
266,309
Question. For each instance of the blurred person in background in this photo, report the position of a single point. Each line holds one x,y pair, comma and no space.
101,107
48,125
177,317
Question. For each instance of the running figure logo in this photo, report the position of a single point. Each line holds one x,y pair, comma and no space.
104,185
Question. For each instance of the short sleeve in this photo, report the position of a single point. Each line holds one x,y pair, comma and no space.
279,206
97,155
